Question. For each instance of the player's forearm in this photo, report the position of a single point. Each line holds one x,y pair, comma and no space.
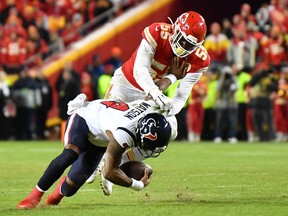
113,173
174,127
142,65
111,170
144,80
164,83
183,91
118,177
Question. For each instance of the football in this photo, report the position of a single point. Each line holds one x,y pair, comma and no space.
135,169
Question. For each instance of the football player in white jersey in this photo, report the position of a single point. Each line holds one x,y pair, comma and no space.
91,127
167,52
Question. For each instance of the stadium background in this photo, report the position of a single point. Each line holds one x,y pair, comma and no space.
157,11
123,31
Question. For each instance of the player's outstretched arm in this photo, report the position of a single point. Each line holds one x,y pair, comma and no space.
113,173
183,91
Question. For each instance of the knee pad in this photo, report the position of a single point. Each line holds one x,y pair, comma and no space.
68,190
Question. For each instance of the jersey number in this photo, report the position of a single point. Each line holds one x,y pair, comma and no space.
121,106
202,54
164,31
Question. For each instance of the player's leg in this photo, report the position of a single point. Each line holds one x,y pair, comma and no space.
96,172
59,164
51,174
77,175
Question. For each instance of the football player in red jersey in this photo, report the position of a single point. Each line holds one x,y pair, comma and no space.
151,63
167,52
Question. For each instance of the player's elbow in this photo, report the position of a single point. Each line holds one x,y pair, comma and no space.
174,134
105,173
174,127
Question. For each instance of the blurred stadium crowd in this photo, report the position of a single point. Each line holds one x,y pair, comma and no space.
45,27
243,96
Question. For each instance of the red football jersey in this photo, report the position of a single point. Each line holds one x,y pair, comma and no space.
157,35
274,52
14,52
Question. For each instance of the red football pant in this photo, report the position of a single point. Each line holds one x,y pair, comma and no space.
281,118
195,116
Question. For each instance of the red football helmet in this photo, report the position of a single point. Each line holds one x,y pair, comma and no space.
188,32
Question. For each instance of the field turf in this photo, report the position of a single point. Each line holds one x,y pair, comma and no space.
188,179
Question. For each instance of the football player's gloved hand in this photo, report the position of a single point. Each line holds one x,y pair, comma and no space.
76,103
164,102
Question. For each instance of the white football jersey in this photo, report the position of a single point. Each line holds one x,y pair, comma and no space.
118,117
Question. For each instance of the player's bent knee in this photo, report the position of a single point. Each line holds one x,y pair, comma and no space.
68,190
78,178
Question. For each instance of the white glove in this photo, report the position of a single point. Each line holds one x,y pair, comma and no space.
164,102
76,103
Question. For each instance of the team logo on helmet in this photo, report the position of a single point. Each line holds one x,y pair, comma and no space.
183,20
146,129
184,17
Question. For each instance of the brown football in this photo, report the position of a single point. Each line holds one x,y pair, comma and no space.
135,169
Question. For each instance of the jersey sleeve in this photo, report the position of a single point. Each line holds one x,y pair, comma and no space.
125,137
142,64
199,60
173,122
183,91
152,34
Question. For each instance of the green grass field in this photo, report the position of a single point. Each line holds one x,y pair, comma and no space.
188,179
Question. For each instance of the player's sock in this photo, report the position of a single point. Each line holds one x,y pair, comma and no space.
55,197
56,168
32,200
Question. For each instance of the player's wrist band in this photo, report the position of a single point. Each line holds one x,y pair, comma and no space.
172,78
137,185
